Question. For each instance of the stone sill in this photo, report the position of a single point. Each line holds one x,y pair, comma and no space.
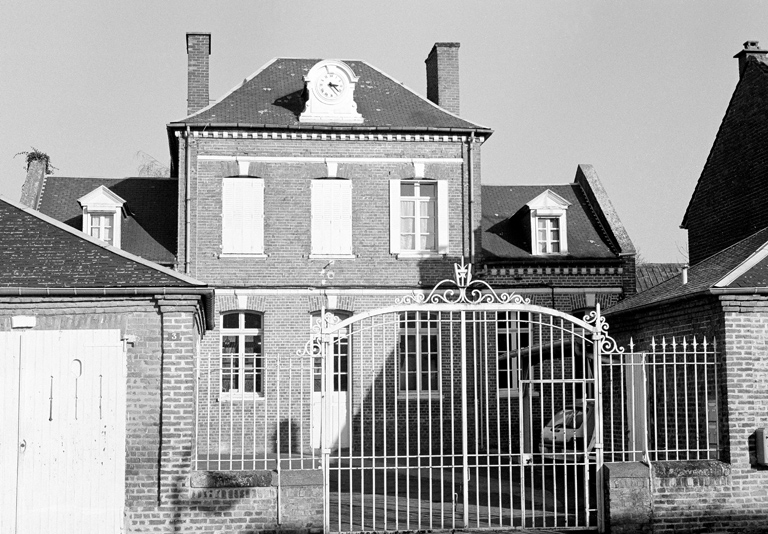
255,479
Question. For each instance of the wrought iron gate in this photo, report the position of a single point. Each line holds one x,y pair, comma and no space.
465,408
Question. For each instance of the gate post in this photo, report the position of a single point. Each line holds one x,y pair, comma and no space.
598,337
324,422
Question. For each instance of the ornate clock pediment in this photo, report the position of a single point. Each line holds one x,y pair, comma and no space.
330,87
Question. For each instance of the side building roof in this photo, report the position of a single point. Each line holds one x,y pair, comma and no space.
593,228
743,265
149,222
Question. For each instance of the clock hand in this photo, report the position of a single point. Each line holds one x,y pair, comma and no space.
333,86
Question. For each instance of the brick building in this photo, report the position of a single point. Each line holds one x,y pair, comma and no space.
97,351
325,186
723,295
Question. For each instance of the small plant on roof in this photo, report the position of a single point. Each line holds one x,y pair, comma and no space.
36,155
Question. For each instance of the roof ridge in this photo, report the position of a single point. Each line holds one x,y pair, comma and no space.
109,248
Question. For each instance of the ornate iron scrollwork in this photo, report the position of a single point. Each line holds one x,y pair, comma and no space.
463,290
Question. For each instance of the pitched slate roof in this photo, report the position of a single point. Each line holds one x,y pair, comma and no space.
149,214
710,273
505,234
272,97
37,251
652,274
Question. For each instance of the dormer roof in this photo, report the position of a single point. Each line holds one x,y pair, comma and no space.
101,198
548,201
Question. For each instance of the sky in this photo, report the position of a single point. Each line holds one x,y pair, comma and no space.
636,89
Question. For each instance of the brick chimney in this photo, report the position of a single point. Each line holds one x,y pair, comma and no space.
198,51
751,49
443,76
33,185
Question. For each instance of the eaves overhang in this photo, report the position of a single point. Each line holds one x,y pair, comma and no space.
487,132
207,294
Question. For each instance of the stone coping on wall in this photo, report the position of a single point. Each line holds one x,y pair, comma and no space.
255,479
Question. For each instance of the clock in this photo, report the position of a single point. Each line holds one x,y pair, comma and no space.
330,94
330,86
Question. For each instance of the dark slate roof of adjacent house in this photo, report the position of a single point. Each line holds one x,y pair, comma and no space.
272,97
708,274
37,251
505,236
149,214
652,274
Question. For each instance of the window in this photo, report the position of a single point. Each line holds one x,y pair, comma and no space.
331,218
548,224
512,333
242,368
549,235
418,217
101,226
102,215
419,352
339,377
242,216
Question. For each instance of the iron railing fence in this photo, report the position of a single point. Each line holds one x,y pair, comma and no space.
662,404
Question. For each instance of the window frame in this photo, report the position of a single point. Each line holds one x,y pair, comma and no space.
258,366
102,215
441,219
340,338
433,337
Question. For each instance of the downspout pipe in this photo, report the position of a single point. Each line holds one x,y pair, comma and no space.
187,201
470,208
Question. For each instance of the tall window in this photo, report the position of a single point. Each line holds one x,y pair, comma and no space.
101,226
419,352
338,380
512,333
331,217
548,229
242,367
242,216
418,217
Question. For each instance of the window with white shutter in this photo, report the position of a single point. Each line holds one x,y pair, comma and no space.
418,211
242,216
331,218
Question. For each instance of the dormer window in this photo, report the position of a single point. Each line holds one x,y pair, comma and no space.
548,224
101,215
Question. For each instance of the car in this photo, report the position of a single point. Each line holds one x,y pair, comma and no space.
571,430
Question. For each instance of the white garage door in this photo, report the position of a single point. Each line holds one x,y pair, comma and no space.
62,431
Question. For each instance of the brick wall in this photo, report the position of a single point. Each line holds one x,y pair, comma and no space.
160,419
288,211
735,500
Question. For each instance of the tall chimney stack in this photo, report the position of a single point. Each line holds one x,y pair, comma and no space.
751,49
443,76
198,51
33,185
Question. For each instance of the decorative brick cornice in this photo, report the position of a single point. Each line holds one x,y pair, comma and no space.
330,136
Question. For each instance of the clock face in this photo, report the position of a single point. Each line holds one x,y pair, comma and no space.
330,86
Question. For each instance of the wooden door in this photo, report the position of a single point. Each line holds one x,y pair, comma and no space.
68,451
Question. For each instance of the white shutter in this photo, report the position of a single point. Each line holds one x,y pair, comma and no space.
331,217
394,216
242,216
442,217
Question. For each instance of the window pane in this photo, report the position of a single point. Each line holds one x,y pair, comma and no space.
252,320
230,344
253,344
406,189
231,320
407,208
428,190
